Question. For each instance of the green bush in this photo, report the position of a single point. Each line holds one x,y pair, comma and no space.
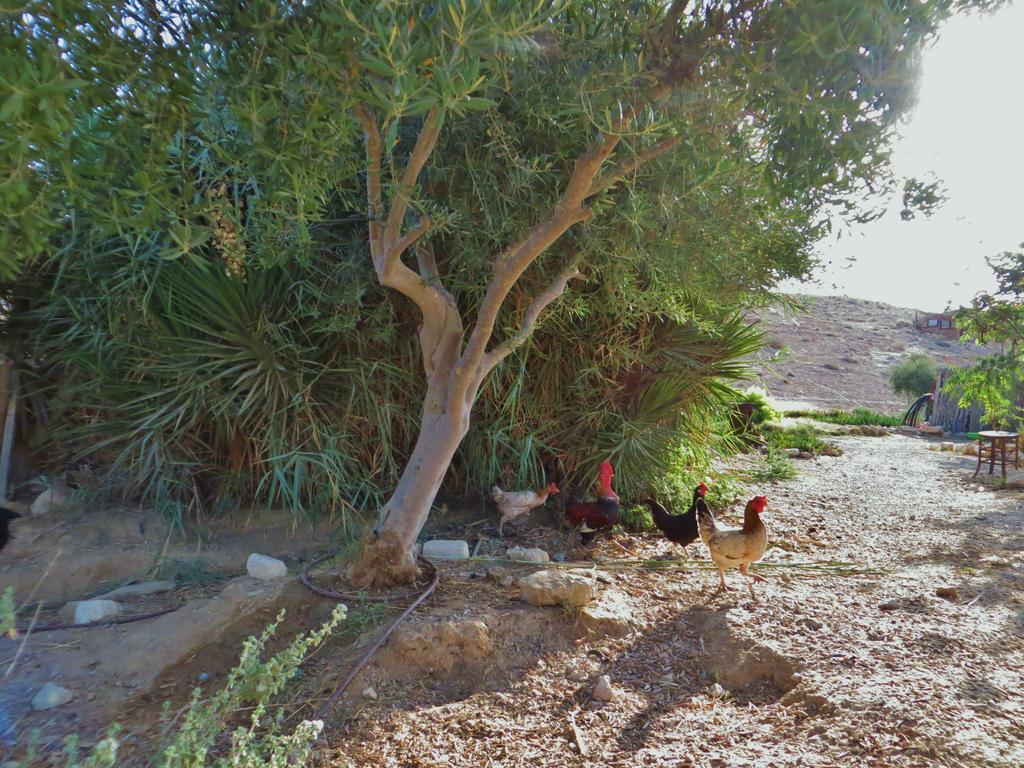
636,518
856,417
256,742
763,411
802,437
913,376
775,465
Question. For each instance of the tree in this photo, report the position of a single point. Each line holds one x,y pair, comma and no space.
913,376
508,152
814,94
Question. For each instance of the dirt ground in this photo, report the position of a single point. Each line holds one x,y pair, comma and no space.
834,670
832,665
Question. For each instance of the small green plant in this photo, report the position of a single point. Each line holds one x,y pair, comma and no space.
258,742
763,411
775,465
913,376
802,437
7,613
856,417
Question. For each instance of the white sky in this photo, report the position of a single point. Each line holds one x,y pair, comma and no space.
968,130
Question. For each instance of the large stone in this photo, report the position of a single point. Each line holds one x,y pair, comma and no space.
528,555
611,615
265,567
50,695
446,549
930,429
569,589
439,646
138,590
88,611
55,499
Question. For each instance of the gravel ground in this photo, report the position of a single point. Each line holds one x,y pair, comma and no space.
822,670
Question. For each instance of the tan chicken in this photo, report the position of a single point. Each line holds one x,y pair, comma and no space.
512,504
735,547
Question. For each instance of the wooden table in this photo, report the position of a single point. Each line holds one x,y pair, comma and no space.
997,446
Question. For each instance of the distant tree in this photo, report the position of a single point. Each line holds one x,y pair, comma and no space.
913,376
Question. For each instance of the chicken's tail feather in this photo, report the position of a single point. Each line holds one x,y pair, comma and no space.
706,523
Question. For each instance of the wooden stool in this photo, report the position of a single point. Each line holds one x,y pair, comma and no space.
997,446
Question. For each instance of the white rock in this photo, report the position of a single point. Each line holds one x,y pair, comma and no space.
528,555
265,567
51,500
138,590
88,611
947,446
716,691
369,693
793,452
446,549
604,691
554,587
50,696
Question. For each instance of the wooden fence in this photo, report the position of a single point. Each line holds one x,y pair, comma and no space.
945,411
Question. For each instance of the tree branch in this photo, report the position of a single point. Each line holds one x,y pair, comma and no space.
540,302
374,197
425,144
633,164
412,236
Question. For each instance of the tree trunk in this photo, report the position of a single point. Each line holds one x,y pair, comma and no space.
386,559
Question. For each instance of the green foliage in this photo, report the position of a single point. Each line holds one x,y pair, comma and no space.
763,411
856,417
801,436
913,376
995,382
8,614
636,518
773,466
258,741
183,188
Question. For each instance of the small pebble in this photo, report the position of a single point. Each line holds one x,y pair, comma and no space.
369,693
204,676
889,605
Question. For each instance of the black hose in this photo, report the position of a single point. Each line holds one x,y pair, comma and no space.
912,413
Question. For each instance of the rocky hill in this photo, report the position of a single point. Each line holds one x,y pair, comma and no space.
839,352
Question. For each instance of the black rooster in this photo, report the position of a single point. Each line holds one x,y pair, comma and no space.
679,529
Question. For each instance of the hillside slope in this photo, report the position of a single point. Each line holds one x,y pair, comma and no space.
840,352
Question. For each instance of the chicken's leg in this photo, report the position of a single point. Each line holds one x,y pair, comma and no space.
757,579
721,580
